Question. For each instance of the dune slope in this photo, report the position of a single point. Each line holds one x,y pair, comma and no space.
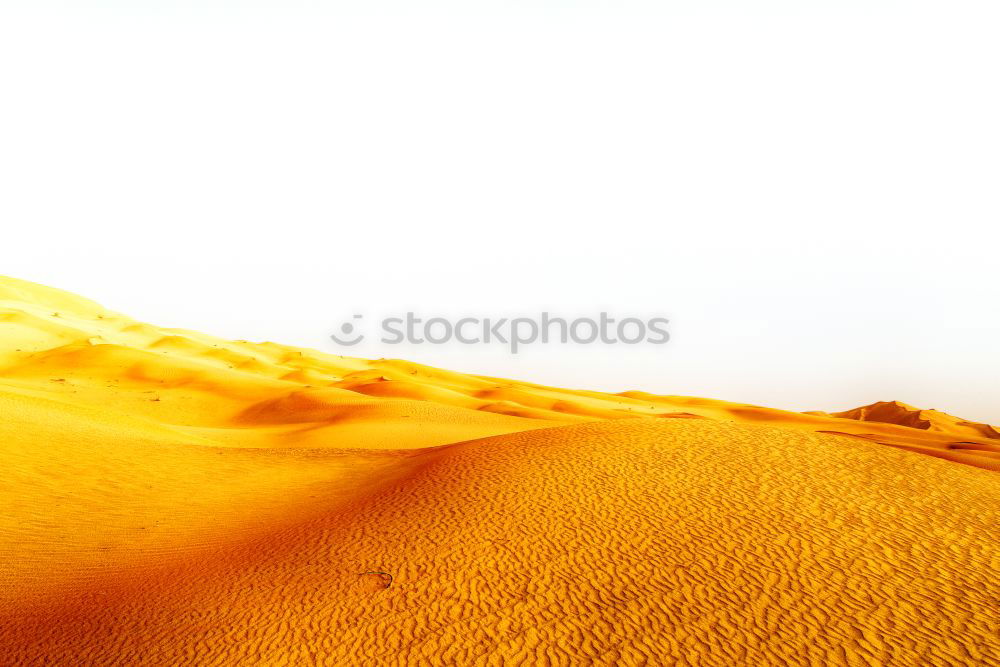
174,498
613,542
242,394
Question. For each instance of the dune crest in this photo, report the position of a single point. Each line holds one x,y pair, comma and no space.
73,348
171,497
895,412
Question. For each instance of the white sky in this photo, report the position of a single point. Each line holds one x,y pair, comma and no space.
807,189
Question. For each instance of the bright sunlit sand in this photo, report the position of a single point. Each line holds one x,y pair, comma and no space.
174,498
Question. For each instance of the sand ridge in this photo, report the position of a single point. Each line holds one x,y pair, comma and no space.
173,498
71,347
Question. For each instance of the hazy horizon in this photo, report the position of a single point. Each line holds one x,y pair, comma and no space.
807,193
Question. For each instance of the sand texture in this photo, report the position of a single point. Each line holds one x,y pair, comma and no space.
171,498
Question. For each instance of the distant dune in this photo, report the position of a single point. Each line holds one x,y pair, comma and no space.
894,412
174,498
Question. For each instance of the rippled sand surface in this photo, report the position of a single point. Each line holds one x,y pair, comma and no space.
171,498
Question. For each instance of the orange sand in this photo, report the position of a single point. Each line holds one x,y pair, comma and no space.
172,498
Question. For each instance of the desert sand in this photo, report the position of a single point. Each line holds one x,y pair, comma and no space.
174,498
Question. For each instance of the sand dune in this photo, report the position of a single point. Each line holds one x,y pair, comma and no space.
71,347
173,498
667,539
894,412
